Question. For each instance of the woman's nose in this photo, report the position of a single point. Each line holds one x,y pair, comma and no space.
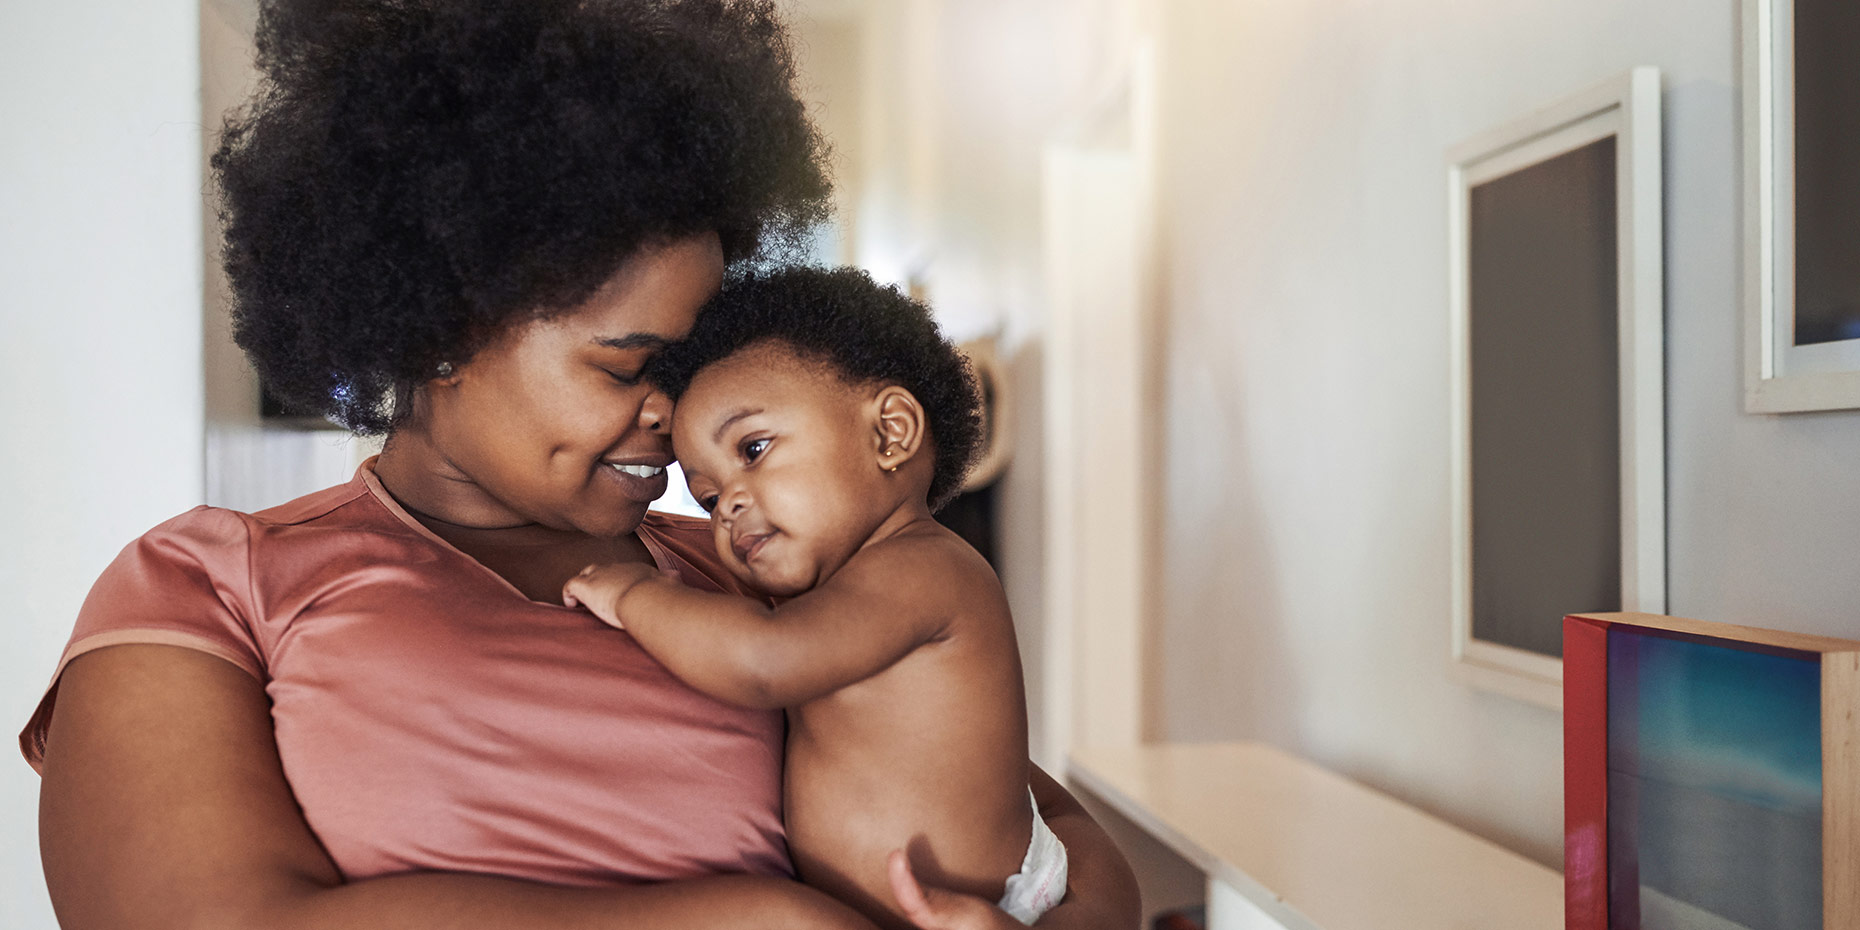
655,412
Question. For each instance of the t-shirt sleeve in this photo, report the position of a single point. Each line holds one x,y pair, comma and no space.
184,583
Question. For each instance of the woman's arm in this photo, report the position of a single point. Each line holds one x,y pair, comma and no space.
164,807
1101,891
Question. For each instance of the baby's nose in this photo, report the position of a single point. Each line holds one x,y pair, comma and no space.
734,502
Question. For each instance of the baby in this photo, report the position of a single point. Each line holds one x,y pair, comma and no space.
820,420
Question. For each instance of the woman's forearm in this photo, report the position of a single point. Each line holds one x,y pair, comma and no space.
422,901
1101,891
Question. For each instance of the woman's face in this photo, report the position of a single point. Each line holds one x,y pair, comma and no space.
551,424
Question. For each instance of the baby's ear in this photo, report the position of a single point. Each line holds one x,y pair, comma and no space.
898,426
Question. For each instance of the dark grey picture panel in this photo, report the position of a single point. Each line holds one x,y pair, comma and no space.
1801,194
1827,172
1557,312
1546,449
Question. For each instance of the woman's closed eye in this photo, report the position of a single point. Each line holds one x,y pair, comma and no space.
627,378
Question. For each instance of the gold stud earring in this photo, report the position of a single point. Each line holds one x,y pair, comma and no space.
888,455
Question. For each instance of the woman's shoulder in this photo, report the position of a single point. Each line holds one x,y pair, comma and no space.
224,526
215,562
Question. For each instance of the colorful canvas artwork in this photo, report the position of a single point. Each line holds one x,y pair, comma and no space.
1712,776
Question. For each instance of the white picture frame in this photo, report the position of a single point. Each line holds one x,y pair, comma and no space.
1779,376
1626,108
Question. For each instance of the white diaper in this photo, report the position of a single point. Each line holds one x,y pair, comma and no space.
1041,881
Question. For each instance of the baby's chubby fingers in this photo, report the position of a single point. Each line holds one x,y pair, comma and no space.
596,589
599,588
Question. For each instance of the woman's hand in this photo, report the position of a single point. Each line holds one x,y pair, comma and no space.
940,909
1101,891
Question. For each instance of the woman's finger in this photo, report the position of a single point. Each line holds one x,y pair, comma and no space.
932,908
910,895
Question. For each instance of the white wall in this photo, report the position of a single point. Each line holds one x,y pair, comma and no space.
1304,219
100,369
1301,185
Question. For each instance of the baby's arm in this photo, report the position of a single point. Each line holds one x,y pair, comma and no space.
877,608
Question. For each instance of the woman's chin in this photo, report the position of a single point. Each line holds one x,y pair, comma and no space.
613,520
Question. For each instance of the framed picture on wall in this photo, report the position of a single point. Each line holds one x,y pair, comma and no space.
1802,192
1711,776
1557,388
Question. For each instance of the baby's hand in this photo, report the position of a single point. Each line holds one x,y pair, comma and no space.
599,588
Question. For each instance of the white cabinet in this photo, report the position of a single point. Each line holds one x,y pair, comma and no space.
1288,845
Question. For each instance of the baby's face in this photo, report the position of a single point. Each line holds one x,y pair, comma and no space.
783,455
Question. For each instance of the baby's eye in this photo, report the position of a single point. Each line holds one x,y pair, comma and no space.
708,502
754,448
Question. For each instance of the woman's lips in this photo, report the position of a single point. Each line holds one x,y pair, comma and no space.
644,483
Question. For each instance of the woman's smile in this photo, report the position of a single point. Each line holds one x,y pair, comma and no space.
640,481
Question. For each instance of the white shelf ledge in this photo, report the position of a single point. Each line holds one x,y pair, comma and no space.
1308,849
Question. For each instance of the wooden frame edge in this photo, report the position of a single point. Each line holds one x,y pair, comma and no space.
1840,790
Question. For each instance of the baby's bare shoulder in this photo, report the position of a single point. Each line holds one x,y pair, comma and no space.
929,566
926,547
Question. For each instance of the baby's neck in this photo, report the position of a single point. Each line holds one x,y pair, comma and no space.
909,518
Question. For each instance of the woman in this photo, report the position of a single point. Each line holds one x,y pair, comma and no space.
467,224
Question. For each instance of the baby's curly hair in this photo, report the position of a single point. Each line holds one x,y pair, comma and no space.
413,176
865,332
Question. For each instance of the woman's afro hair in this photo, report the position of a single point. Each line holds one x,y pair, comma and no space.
863,331
414,176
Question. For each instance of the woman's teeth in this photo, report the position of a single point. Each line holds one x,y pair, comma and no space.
640,471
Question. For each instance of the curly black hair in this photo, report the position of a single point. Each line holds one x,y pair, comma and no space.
413,176
863,331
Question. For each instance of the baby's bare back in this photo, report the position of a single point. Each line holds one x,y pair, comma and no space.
928,755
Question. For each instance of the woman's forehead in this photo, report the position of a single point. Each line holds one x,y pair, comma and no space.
655,294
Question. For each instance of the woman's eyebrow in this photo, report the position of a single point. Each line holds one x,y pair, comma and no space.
634,341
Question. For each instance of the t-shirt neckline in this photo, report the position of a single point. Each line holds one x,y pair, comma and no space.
365,473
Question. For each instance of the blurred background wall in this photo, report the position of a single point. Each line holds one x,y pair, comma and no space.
1299,155
1301,590
102,416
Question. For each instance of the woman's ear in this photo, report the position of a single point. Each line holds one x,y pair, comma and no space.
445,374
898,426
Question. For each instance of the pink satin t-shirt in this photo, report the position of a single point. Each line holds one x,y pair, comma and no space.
431,717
